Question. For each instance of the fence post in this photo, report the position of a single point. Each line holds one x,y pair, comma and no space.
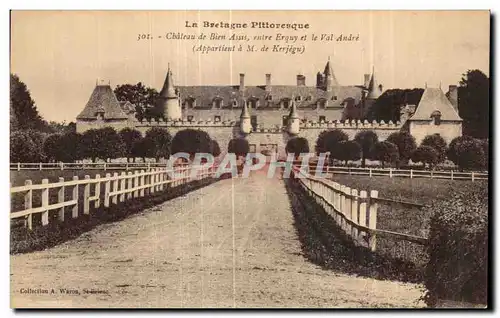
472,176
129,185
370,172
342,207
104,166
372,222
114,198
41,166
149,166
62,165
28,203
451,174
136,183
45,203
336,200
362,208
126,165
348,207
97,194
74,210
390,172
160,179
60,199
411,173
107,188
86,196
142,183
152,180
432,175
354,213
123,186
18,166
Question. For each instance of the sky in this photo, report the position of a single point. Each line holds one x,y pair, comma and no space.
60,55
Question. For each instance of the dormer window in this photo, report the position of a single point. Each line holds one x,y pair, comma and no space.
269,97
436,115
253,102
217,102
235,103
334,97
321,103
286,103
298,98
190,102
308,98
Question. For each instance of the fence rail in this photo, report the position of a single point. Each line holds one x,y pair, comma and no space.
402,173
354,211
86,166
117,188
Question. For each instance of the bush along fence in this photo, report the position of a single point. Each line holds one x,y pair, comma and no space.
77,196
354,211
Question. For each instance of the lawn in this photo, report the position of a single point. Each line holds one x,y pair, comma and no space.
17,178
395,217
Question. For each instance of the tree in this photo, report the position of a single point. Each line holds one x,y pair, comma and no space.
438,143
388,105
474,103
366,139
191,141
144,98
426,155
71,147
467,153
405,143
157,142
238,146
103,143
24,110
386,152
129,137
52,147
26,146
328,141
214,148
297,146
349,150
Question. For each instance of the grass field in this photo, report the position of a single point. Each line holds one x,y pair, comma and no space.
395,217
17,178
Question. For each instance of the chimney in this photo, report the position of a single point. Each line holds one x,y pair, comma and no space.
242,81
367,80
453,96
301,80
268,82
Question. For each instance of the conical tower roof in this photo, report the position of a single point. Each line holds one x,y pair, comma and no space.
293,111
168,90
244,112
328,72
373,87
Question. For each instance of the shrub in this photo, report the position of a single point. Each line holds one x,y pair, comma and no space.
102,143
157,142
129,137
52,147
328,140
214,148
467,153
191,141
297,146
238,146
367,140
349,150
386,152
458,248
405,144
26,146
425,155
438,143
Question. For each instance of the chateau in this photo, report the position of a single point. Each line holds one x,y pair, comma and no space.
269,115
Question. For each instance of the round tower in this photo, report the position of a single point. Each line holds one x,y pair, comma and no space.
169,101
245,123
293,121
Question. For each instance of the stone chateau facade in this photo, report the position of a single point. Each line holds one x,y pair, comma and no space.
269,115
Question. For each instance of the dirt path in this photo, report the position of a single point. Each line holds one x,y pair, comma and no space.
232,244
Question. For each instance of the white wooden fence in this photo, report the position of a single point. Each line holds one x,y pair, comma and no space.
117,188
401,173
86,166
354,211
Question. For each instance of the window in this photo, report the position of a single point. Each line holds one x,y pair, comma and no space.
322,119
334,97
284,121
286,103
269,97
253,103
298,98
190,102
217,119
235,103
253,121
436,115
190,118
308,98
321,103
217,102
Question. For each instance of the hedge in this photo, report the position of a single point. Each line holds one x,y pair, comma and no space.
458,248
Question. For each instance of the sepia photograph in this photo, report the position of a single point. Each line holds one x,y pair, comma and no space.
249,159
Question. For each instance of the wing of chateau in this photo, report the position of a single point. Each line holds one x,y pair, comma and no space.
269,115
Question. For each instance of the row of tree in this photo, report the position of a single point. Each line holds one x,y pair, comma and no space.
400,147
107,143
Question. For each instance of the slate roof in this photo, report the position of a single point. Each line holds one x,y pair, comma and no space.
433,99
102,97
310,95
